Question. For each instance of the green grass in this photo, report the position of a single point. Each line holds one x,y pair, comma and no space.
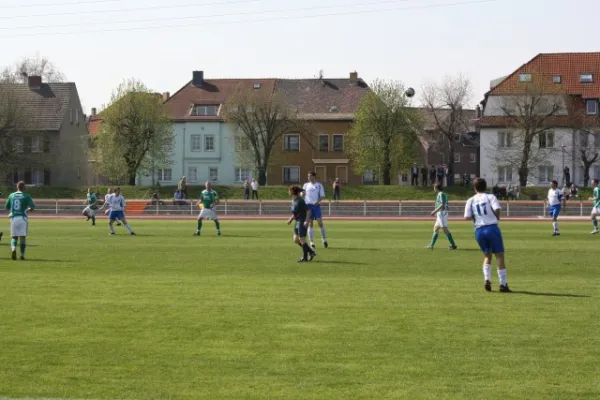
165,315
357,192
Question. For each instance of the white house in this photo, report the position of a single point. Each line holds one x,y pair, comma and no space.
565,89
204,148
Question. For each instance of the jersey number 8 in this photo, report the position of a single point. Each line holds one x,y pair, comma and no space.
17,205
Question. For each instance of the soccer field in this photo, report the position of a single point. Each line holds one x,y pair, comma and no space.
165,315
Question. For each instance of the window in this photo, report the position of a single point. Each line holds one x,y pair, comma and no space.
77,116
583,139
291,174
213,174
472,157
591,107
369,176
196,142
546,140
456,157
256,86
18,145
37,177
47,177
556,79
36,144
596,136
586,78
165,175
525,77
209,143
545,174
291,143
241,174
204,110
324,143
192,175
46,146
505,174
242,143
338,142
504,139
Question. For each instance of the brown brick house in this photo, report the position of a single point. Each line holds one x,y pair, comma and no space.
330,104
434,147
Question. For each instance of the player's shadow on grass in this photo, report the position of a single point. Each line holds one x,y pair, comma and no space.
549,294
357,249
338,262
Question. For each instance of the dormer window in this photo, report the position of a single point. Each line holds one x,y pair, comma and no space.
556,79
525,77
256,86
586,78
204,110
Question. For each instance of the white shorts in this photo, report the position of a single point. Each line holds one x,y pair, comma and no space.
441,220
596,211
18,227
208,213
89,212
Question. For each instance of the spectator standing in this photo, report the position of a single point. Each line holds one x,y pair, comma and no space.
246,189
254,186
182,187
424,175
337,188
414,175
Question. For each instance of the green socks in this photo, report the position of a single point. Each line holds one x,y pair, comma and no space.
450,239
23,245
434,238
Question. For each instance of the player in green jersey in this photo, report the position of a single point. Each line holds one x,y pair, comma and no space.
441,213
596,206
208,200
92,202
19,204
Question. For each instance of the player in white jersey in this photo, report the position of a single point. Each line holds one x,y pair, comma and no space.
313,192
116,204
556,197
109,192
484,210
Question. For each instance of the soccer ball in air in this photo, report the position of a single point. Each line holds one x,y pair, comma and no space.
410,92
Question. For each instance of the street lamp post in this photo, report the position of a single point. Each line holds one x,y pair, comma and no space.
563,165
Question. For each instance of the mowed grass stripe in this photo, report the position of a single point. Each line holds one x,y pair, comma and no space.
165,315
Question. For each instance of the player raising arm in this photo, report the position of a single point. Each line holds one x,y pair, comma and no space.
19,204
484,210
556,198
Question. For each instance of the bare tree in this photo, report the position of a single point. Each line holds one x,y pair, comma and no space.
262,120
452,95
11,125
28,66
529,117
384,137
586,132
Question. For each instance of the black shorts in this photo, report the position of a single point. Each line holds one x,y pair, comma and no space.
299,229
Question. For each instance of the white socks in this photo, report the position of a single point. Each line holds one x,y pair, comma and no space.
487,272
555,226
128,227
311,235
502,276
323,233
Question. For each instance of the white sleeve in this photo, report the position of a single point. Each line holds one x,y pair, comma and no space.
321,191
469,208
494,203
304,186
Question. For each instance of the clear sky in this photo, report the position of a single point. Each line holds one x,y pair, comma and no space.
98,43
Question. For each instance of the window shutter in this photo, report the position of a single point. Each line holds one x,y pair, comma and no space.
46,177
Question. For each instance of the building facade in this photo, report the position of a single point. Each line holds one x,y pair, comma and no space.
54,137
563,89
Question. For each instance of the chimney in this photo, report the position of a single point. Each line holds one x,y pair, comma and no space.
93,112
166,96
198,78
34,82
478,111
354,77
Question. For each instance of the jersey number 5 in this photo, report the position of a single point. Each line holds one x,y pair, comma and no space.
481,207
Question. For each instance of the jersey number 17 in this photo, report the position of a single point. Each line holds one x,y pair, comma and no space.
481,207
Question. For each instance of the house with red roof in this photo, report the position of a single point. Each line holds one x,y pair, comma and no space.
567,104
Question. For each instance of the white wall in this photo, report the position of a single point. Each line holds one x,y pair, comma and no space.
494,104
492,158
